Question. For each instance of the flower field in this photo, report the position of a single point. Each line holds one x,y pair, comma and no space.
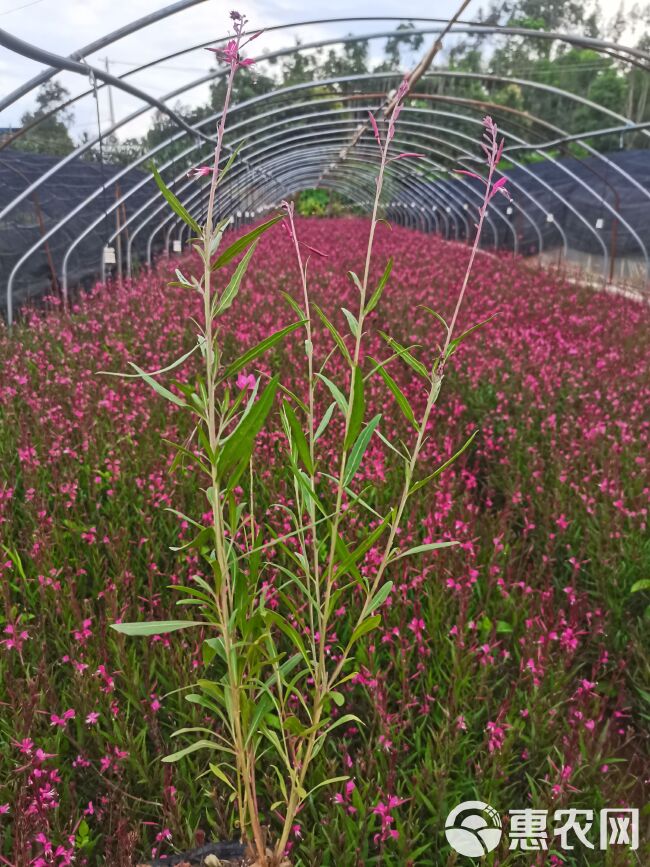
512,667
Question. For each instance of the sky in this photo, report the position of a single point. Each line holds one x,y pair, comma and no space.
63,26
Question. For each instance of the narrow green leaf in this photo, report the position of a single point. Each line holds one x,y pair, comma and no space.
219,774
365,627
437,316
171,366
352,321
175,205
643,584
298,437
239,444
359,449
418,549
157,387
335,334
233,156
329,782
257,350
294,305
354,556
376,295
241,243
404,353
398,394
230,292
197,745
291,633
358,409
322,427
336,393
355,279
159,627
453,345
380,596
442,467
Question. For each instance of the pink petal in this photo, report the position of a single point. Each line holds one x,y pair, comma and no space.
374,127
471,175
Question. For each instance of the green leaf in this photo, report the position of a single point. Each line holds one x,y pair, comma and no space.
442,467
453,345
197,745
239,445
355,279
335,334
159,627
233,156
418,549
241,243
343,720
436,316
410,359
336,393
291,633
351,557
324,421
329,782
376,295
503,627
359,449
380,596
358,408
293,304
169,367
257,350
162,391
219,774
365,627
643,584
298,437
352,321
231,290
398,394
176,206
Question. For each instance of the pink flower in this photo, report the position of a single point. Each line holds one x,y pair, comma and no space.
61,721
402,91
375,128
244,381
92,718
200,172
230,55
499,187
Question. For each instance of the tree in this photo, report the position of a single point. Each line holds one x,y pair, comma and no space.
50,135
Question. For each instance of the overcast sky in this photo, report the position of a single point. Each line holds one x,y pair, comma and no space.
63,26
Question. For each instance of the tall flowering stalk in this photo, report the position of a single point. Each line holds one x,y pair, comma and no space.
274,672
326,577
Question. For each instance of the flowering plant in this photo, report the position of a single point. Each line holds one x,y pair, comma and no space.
275,667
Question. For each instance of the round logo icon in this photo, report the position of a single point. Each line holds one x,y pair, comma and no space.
473,828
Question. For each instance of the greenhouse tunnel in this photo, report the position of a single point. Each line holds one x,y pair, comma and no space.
580,193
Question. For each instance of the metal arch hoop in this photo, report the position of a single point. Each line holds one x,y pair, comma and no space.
195,129
303,86
369,76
